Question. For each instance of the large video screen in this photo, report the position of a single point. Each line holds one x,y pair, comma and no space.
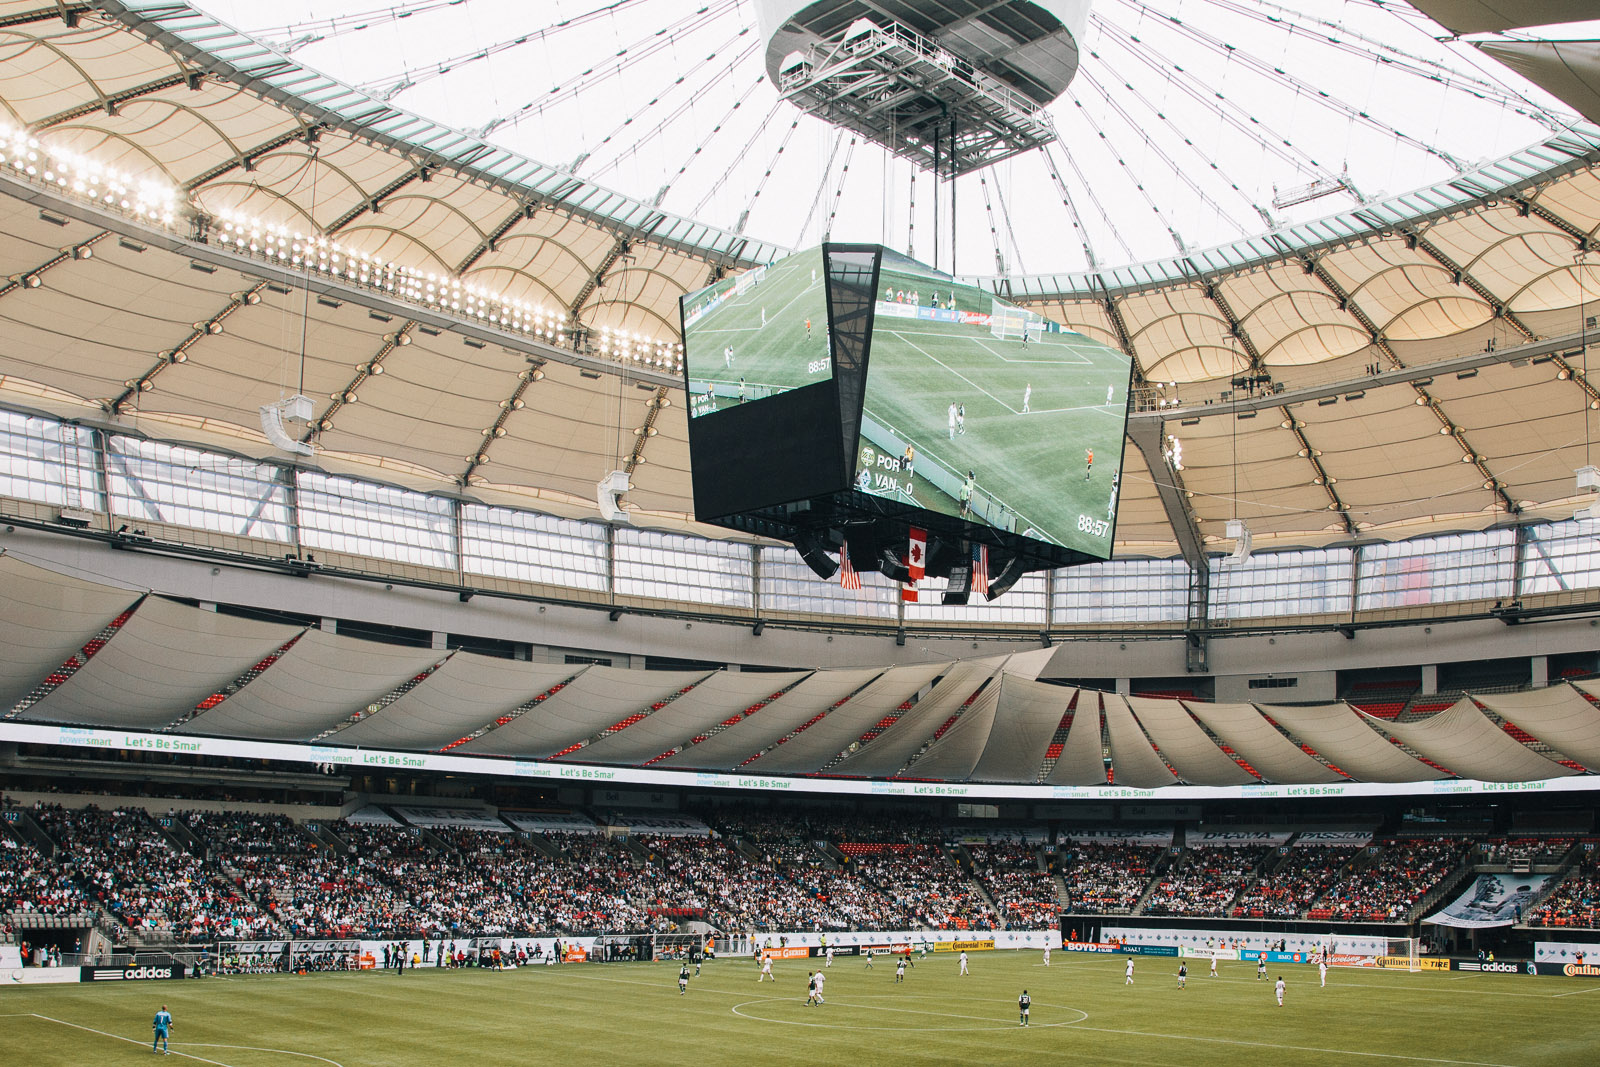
977,408
757,334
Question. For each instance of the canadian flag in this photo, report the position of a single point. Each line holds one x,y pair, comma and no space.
917,557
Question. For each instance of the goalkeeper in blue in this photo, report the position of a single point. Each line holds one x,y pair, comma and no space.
162,1025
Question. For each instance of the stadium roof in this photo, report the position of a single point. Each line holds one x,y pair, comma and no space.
160,665
1412,364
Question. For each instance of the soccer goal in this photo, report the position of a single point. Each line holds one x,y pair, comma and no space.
1010,321
1408,949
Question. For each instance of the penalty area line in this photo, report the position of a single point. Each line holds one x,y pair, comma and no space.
191,1044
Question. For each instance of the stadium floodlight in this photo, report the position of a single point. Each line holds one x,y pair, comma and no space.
296,408
1240,533
607,491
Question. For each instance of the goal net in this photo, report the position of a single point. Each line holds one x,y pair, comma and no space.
1010,321
1408,949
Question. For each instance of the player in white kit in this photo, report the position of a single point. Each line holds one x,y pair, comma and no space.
1130,972
963,963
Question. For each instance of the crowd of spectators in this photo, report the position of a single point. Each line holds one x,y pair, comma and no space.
1025,897
1205,881
122,860
1107,879
30,883
264,876
248,833
1386,889
1291,887
1575,901
923,882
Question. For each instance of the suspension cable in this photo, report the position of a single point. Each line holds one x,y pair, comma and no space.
705,139
717,185
639,142
1005,217
1100,209
838,192
822,187
1311,92
1179,172
635,52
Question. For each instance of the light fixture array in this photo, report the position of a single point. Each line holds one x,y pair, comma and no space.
143,198
158,203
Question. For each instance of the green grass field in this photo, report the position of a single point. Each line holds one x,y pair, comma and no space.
770,356
632,1013
1031,462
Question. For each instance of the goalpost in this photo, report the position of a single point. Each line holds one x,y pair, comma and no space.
1008,321
1408,949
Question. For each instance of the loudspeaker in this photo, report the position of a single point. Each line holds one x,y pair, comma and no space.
892,564
809,545
960,587
1005,576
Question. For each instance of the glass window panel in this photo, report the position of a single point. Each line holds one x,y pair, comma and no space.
1023,604
675,567
188,487
366,519
1560,556
1269,584
788,586
1121,591
48,461
528,547
1436,570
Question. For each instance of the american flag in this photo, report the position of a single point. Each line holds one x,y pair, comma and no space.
849,577
980,569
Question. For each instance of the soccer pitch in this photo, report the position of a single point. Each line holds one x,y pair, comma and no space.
632,1013
1032,461
765,328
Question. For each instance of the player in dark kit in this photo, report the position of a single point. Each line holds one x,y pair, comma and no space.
683,978
1024,1002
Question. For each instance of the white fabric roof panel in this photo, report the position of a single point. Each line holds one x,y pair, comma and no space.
1463,739
1481,16
1345,740
163,661
1569,70
313,687
831,734
726,749
888,752
1029,712
1246,731
1560,716
1134,762
45,618
1082,759
469,692
953,755
597,698
723,694
1195,756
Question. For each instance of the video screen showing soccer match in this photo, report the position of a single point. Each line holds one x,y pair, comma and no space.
981,409
757,334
